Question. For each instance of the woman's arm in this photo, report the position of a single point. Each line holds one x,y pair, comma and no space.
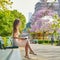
16,37
19,38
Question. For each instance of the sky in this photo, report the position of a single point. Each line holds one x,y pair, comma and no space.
25,6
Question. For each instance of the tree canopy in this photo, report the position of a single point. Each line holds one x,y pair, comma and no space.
7,18
4,3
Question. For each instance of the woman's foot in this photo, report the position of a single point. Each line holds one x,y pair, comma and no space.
32,53
27,57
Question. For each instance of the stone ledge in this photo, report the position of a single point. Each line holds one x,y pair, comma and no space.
10,54
4,53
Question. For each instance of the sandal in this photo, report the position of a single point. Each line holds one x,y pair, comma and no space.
33,53
27,57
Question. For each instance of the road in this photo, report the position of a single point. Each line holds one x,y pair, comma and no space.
44,52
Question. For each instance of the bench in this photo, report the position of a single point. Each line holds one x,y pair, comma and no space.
10,54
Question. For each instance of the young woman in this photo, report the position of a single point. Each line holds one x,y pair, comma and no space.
16,38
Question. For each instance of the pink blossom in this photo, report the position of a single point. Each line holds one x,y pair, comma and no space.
41,24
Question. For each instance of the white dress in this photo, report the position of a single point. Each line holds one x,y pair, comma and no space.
15,41
16,52
19,43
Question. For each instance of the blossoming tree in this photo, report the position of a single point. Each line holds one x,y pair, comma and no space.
40,22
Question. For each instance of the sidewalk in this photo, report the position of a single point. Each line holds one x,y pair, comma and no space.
44,52
4,53
10,54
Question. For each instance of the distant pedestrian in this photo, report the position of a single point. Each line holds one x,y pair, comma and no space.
58,40
52,40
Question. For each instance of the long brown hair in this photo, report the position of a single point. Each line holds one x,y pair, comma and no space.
16,22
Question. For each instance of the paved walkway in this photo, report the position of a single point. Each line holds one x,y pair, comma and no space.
4,53
44,52
10,54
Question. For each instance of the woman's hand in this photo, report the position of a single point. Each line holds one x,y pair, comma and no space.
23,38
20,38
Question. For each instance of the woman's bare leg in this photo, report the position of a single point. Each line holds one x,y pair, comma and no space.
26,50
31,51
27,46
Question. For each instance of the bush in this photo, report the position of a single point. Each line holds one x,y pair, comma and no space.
47,41
40,41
